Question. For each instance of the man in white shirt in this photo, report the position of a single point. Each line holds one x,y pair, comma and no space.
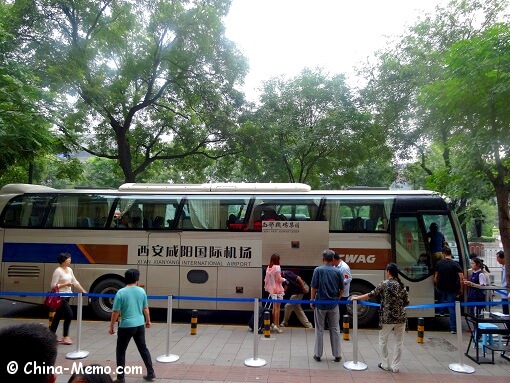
346,273
500,257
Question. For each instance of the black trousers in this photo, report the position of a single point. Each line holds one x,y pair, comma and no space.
64,312
124,335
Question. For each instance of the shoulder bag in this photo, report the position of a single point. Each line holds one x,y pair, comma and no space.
53,302
304,286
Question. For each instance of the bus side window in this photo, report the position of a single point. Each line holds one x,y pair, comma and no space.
85,222
186,222
158,222
136,217
10,217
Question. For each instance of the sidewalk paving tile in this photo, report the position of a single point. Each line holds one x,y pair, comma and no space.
218,352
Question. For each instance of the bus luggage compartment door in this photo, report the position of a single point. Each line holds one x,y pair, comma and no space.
161,272
179,264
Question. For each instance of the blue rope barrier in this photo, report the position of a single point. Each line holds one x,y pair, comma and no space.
190,298
94,295
251,300
34,294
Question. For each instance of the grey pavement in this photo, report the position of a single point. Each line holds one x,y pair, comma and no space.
218,353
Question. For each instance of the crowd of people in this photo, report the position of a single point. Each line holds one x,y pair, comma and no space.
329,291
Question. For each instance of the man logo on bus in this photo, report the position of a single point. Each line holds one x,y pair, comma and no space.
358,258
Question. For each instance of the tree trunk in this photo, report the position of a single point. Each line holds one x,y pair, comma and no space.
504,225
461,206
125,156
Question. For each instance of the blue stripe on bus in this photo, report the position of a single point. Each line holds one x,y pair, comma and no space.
41,252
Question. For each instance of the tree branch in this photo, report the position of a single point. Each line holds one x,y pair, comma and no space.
85,149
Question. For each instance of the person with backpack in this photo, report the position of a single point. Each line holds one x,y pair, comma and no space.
296,287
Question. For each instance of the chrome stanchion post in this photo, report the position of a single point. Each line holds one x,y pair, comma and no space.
354,364
460,367
78,354
168,358
255,361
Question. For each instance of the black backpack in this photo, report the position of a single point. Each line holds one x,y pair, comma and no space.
262,310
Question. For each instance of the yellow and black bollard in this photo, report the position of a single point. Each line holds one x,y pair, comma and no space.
51,315
194,321
267,324
421,329
345,327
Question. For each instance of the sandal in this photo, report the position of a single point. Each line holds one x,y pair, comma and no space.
60,340
381,367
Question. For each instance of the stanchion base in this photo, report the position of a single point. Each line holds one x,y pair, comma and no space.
463,368
77,354
358,366
168,358
252,362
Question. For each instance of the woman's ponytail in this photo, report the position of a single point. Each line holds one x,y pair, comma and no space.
392,268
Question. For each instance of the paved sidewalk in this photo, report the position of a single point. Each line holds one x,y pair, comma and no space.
217,354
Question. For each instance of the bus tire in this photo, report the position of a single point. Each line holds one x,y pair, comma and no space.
367,315
102,306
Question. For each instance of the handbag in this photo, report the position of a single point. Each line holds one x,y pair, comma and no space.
53,302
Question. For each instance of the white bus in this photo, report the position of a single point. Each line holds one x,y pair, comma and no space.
214,240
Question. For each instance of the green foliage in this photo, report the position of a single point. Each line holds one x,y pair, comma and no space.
308,129
48,170
483,239
24,132
484,210
474,91
102,172
440,92
138,82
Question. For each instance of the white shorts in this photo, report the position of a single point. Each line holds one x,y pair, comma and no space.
276,296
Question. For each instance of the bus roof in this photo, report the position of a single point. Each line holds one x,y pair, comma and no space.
240,188
25,188
218,187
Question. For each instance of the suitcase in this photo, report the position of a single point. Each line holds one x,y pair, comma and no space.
262,310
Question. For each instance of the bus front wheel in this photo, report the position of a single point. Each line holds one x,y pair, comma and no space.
367,315
102,306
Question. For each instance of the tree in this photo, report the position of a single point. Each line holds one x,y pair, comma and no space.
309,129
475,91
138,81
396,82
24,127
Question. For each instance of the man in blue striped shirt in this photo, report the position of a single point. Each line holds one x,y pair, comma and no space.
344,268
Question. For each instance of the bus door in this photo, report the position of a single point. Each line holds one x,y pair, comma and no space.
410,253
